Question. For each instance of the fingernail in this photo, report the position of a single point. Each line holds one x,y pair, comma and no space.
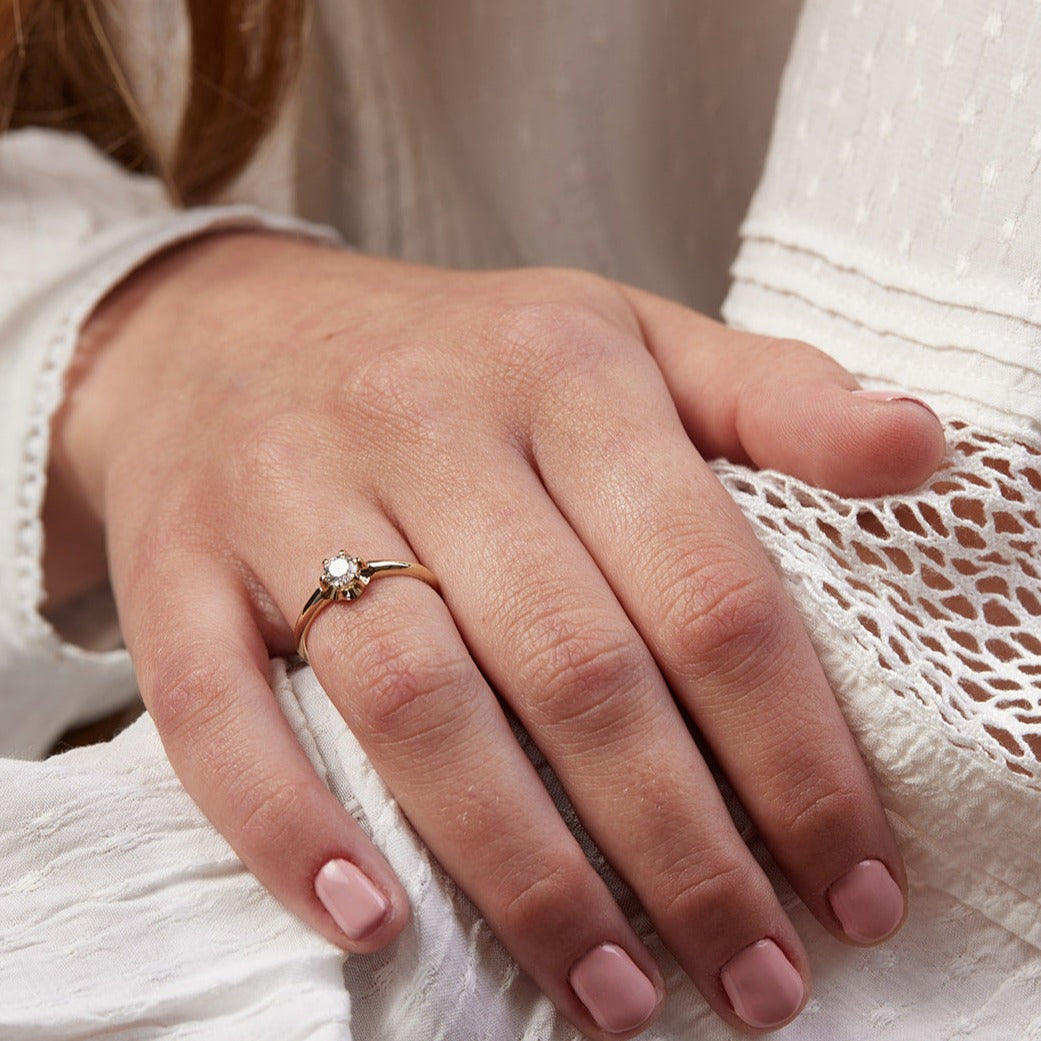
764,987
355,904
616,993
891,395
867,902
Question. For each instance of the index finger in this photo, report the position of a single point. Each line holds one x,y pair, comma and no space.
696,584
786,405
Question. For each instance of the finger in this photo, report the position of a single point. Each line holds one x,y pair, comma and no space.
202,670
394,664
698,587
549,633
784,405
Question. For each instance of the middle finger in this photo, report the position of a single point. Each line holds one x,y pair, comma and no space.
549,633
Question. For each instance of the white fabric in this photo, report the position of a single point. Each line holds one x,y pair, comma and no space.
896,224
618,136
107,865
132,919
622,137
896,227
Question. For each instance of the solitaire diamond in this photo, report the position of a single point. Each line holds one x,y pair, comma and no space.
340,571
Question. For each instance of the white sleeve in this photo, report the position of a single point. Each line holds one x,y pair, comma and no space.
73,224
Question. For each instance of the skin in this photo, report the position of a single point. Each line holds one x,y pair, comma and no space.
537,438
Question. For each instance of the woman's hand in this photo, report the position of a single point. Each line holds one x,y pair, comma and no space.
252,404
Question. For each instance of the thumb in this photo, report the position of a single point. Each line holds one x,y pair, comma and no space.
784,405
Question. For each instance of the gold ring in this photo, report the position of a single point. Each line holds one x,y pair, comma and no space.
344,578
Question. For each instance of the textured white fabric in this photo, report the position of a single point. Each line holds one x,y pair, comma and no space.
897,227
896,224
126,916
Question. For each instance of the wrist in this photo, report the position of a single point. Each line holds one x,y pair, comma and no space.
136,319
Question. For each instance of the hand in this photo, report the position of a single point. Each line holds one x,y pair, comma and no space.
251,404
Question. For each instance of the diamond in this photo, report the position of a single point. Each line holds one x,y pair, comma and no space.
340,571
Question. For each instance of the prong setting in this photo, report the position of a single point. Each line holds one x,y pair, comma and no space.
343,577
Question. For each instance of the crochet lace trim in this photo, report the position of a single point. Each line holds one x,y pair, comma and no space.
942,586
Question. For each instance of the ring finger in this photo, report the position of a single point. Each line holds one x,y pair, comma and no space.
397,669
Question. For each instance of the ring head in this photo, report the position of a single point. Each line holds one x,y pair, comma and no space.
343,577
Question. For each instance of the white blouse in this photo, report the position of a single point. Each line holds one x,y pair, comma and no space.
896,226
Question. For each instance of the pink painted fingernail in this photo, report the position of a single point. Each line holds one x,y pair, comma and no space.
764,987
893,395
867,902
355,904
618,995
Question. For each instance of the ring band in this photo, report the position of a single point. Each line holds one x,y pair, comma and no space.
344,578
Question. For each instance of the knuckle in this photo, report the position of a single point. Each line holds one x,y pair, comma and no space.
407,694
792,355
720,620
189,695
771,360
268,452
699,885
271,813
785,347
544,893
820,812
401,386
554,338
401,408
581,673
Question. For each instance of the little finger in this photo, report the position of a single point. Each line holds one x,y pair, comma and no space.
203,673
